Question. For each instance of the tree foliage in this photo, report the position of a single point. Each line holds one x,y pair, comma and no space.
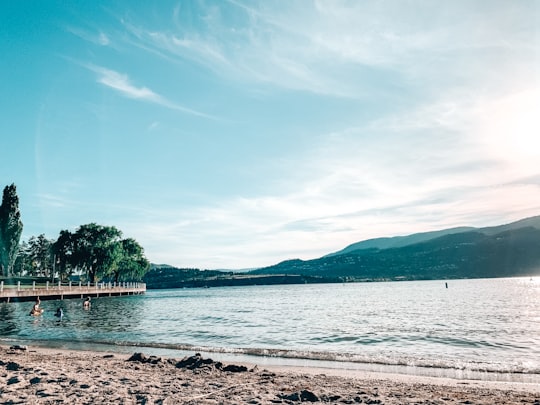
10,229
99,252
39,255
131,263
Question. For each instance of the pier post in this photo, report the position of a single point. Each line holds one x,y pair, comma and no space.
18,286
47,286
33,286
70,285
1,286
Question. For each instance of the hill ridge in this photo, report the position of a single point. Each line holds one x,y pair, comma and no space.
498,251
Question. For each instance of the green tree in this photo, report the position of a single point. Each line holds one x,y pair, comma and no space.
63,250
96,249
131,263
10,229
41,256
23,263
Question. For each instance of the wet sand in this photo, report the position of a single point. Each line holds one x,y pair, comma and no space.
31,375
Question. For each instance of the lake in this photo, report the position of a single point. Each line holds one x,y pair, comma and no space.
483,329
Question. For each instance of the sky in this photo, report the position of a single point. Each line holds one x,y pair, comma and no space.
238,134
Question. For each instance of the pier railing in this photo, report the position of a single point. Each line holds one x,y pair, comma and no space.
59,290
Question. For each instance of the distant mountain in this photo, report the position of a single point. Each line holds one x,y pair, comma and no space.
400,241
498,251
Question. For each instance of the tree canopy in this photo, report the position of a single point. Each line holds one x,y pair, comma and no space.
99,252
10,229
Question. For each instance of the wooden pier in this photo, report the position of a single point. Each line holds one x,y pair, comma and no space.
19,293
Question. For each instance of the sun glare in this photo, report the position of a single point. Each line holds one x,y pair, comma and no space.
512,127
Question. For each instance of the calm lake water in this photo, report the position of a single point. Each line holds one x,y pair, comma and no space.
487,329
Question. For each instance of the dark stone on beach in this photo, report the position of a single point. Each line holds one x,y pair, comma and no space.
142,358
18,347
13,380
295,396
108,356
308,396
12,366
302,396
234,368
139,357
193,362
35,380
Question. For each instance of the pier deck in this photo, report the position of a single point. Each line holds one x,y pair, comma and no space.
9,293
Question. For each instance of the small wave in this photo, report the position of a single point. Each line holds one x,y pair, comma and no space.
342,360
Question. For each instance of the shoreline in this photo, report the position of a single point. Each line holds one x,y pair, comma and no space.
300,363
49,375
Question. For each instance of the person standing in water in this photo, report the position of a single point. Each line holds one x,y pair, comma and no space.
36,310
86,303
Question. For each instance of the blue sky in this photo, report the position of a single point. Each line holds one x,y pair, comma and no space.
236,134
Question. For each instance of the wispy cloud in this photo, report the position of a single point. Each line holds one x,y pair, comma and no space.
95,37
339,48
122,84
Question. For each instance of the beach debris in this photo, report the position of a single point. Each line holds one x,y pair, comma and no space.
13,380
233,368
18,347
142,358
302,396
197,361
35,380
12,366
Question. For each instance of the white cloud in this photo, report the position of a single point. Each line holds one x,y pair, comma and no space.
122,84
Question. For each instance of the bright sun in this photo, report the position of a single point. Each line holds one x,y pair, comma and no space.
511,126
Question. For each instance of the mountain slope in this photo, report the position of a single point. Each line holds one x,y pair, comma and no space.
398,241
500,251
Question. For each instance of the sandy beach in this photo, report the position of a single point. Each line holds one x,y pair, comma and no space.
31,375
